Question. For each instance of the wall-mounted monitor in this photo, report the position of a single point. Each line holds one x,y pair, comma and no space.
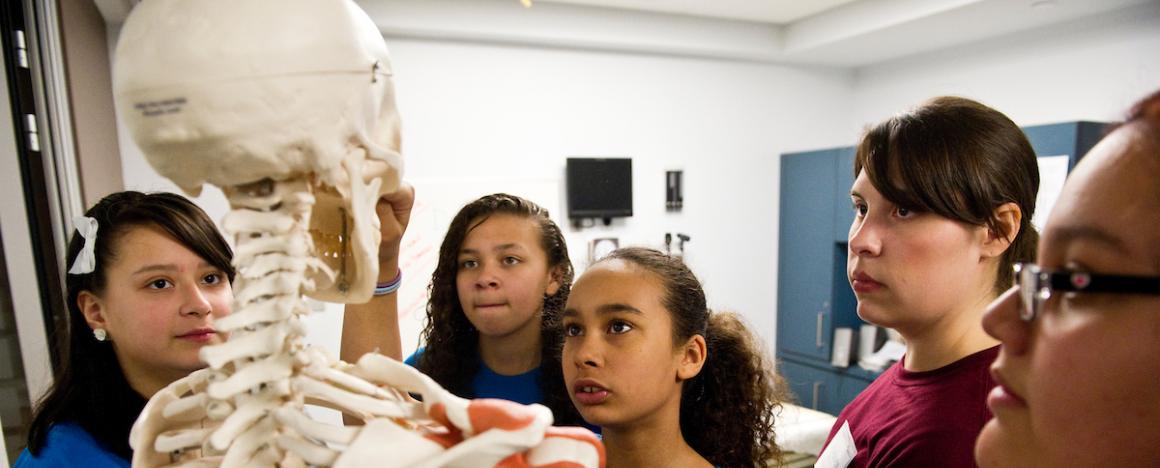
599,187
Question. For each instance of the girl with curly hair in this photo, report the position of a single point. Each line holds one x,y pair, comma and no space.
669,382
493,317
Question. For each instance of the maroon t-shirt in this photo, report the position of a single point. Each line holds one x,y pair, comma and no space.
921,419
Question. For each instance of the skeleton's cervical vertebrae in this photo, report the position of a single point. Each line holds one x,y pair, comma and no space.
288,106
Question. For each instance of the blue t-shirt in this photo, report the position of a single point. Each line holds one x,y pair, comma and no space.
521,388
67,445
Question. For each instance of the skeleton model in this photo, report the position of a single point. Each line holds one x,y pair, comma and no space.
288,106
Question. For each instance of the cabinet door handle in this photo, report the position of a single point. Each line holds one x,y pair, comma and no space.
817,386
818,333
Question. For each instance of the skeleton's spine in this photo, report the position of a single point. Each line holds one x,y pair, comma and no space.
254,368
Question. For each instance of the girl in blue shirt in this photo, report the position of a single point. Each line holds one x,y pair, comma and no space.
149,275
493,317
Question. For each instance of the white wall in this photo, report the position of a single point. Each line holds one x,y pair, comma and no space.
491,111
1087,70
504,112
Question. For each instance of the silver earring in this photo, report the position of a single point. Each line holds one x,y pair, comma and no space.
100,334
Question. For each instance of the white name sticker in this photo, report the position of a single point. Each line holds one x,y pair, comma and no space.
841,450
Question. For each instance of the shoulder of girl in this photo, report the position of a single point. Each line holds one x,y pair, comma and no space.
66,444
413,359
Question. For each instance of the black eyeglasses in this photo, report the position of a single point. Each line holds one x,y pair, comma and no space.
1036,285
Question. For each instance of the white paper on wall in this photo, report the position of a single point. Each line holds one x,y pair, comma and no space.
1052,172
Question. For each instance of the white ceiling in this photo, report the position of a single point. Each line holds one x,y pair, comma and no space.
763,11
837,33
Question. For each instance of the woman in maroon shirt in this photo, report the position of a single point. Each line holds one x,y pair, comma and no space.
943,199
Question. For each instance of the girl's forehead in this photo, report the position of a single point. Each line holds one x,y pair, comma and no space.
616,278
863,187
502,227
616,267
149,244
125,241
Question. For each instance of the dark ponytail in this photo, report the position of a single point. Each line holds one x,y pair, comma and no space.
729,407
727,410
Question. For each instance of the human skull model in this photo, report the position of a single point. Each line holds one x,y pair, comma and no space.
234,93
288,106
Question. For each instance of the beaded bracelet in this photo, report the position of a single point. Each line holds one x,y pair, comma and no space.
382,289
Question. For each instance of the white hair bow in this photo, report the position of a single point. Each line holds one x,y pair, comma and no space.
86,260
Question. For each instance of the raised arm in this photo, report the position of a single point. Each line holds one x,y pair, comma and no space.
375,324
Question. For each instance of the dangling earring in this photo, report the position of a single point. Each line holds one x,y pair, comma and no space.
100,334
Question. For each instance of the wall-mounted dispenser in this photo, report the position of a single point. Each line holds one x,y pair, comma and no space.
674,194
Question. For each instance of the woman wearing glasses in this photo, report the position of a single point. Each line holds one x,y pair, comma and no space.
943,197
1080,336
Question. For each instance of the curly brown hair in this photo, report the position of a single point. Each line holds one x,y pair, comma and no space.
728,409
451,356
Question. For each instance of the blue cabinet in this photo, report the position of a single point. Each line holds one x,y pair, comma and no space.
811,387
814,296
821,387
808,182
1072,139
